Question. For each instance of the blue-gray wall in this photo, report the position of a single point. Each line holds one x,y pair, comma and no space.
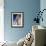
43,6
29,7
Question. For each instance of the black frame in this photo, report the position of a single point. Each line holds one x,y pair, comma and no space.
22,19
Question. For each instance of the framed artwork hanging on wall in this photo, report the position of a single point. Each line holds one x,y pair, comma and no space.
17,19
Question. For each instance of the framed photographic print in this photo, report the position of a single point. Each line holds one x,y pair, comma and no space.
17,19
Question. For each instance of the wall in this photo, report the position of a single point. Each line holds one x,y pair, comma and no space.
43,6
29,7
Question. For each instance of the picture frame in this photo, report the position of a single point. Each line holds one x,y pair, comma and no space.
17,19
